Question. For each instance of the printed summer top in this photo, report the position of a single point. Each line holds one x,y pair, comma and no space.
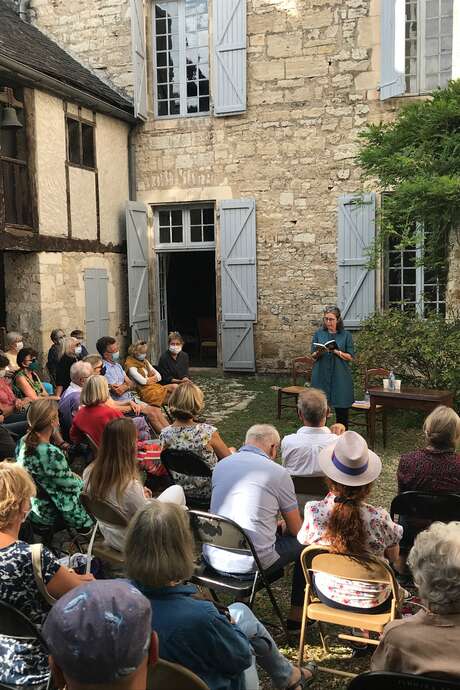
49,468
34,382
381,532
195,438
24,663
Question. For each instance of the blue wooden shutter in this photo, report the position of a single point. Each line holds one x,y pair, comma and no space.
138,269
355,235
139,58
392,48
229,56
239,288
96,306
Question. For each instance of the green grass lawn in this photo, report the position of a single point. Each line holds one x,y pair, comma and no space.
404,434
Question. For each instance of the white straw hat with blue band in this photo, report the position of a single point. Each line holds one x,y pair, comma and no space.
349,461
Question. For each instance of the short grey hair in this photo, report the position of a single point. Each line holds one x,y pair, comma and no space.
435,563
312,406
79,369
262,434
13,337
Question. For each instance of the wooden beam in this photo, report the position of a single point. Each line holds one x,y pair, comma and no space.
18,239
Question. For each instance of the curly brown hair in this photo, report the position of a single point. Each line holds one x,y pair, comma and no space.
345,530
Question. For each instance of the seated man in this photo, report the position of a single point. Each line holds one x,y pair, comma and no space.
300,451
251,489
70,399
120,386
100,635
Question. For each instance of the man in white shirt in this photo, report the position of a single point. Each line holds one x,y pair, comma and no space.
300,451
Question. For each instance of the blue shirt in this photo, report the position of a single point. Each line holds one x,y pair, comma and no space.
193,633
115,375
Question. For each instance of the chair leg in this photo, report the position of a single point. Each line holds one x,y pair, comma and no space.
323,637
277,610
279,403
384,427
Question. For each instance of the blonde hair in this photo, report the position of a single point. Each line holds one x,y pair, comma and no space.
93,360
95,391
115,465
187,401
40,416
165,529
64,347
16,486
442,428
135,347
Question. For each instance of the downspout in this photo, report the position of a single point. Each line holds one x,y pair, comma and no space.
23,7
132,177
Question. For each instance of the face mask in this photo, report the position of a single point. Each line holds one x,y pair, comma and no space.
78,350
34,366
175,349
141,357
19,345
115,356
2,373
103,370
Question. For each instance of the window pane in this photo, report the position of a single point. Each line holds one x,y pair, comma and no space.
87,136
176,217
409,276
163,217
192,89
177,234
394,294
195,216
164,236
73,137
394,276
208,216
409,258
204,105
192,105
195,233
163,108
409,293
208,233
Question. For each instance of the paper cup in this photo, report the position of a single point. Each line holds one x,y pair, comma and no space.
386,384
398,385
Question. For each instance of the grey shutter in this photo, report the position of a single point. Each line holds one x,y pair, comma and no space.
392,48
96,306
239,288
139,58
355,281
138,269
229,56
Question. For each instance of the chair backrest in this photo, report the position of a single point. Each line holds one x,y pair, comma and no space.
378,373
219,531
168,676
185,462
426,506
92,443
377,680
313,485
15,624
207,328
103,511
302,366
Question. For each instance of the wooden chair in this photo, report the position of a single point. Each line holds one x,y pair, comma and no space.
191,465
319,559
207,333
301,366
381,680
103,511
165,675
360,410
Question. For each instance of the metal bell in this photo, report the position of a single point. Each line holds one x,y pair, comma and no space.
10,118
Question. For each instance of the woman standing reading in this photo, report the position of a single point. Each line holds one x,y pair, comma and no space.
332,349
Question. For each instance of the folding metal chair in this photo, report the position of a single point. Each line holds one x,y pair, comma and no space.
418,509
185,462
168,676
106,512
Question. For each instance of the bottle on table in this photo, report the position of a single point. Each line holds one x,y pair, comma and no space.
391,381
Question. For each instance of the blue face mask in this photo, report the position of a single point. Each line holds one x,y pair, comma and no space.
115,356
141,357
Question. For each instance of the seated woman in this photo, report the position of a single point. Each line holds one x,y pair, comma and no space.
145,376
185,433
14,342
69,351
114,477
48,467
95,414
12,408
192,631
26,381
174,363
345,522
25,663
428,643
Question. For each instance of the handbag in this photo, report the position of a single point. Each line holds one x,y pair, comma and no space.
36,551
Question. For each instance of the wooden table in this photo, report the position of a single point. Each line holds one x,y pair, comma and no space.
407,399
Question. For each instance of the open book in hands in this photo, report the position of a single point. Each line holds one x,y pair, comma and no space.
324,347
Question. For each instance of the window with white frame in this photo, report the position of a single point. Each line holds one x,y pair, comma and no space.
181,57
190,227
428,41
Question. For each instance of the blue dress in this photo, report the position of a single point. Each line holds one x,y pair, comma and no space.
332,374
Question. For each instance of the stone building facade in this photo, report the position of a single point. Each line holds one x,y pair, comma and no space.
314,69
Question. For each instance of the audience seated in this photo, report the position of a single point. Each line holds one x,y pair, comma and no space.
26,381
428,642
345,522
14,343
25,663
70,399
56,336
95,413
114,477
174,363
299,451
185,433
251,489
99,636
12,408
145,377
48,466
7,442
69,349
221,649
436,468
121,387
80,336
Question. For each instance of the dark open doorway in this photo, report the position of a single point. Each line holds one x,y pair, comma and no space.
191,300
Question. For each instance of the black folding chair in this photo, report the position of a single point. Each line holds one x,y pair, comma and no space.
225,534
310,484
400,681
104,511
417,510
16,625
189,464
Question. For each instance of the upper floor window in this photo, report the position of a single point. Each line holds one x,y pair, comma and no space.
428,44
16,208
179,227
181,57
80,143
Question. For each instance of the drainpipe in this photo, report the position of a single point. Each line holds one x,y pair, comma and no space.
23,7
132,164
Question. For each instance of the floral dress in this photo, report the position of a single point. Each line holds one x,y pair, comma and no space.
24,662
195,438
381,533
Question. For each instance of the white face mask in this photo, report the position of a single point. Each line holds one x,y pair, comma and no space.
141,357
2,373
19,345
78,350
175,349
